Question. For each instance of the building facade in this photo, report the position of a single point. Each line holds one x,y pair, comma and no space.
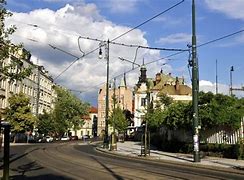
38,86
148,90
123,97
88,129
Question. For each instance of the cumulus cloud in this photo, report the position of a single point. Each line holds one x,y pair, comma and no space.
233,8
61,28
175,38
208,86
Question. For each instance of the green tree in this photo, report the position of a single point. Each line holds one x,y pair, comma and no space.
118,118
68,111
156,115
18,114
7,49
46,124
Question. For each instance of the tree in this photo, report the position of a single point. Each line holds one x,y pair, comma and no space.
19,115
46,124
156,115
68,111
7,49
118,118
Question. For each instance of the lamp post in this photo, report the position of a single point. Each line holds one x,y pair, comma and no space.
195,88
106,140
231,70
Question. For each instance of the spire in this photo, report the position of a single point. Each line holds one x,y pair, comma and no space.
143,76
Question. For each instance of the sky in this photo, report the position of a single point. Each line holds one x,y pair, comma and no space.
60,23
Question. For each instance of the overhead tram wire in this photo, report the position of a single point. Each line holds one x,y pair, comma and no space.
203,44
148,20
121,36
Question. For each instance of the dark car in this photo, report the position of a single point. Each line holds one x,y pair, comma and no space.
73,138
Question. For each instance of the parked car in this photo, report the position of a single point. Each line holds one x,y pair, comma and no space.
65,138
49,139
73,138
85,137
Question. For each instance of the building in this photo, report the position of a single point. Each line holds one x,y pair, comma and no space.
123,98
89,127
38,86
148,89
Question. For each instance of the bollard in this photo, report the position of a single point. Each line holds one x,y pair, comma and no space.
6,151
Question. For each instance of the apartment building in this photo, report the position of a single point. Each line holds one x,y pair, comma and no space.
38,86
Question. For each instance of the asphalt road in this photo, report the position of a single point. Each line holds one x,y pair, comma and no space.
75,160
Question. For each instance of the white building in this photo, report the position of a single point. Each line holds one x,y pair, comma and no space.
38,86
149,89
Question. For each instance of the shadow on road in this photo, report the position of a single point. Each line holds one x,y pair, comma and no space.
17,158
108,169
41,177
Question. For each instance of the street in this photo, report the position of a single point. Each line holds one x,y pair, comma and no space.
75,160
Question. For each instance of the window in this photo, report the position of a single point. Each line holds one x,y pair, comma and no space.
143,101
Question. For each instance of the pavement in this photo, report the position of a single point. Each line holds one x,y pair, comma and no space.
133,149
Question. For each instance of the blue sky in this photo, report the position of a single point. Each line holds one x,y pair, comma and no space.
62,21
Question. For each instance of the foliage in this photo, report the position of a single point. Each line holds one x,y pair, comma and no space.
18,114
214,111
128,116
164,100
220,110
118,119
7,49
45,123
68,111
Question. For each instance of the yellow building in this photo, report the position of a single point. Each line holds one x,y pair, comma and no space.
124,97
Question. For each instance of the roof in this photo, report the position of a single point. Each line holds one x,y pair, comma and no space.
93,110
171,90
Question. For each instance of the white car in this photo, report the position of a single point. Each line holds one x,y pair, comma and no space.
64,138
49,139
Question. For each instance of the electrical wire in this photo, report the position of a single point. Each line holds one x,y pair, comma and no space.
159,14
120,36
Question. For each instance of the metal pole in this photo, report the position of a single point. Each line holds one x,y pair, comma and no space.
106,140
195,87
216,76
231,88
6,151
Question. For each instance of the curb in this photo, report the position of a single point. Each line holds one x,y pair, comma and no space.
234,170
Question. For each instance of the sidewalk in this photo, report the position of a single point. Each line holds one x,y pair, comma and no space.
133,149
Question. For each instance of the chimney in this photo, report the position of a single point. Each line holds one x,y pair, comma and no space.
177,84
158,78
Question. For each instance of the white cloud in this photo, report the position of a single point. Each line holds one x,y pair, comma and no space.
233,8
175,38
62,27
208,86
122,6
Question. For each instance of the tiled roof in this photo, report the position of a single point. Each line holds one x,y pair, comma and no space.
171,90
93,110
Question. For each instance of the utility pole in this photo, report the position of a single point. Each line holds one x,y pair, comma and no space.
195,88
106,140
231,89
216,76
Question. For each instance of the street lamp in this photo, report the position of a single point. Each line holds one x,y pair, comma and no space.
231,70
106,139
